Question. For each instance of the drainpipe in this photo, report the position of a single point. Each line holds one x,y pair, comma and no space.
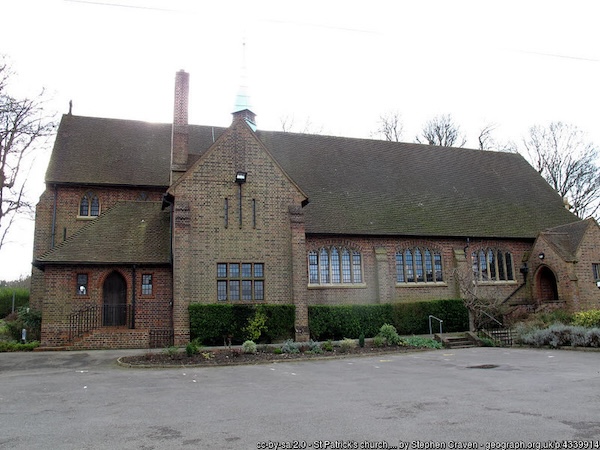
133,297
54,218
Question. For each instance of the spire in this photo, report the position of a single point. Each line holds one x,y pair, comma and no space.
243,105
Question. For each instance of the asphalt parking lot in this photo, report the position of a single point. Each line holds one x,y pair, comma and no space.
488,398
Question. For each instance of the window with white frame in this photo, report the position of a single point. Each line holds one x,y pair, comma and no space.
492,265
419,265
334,265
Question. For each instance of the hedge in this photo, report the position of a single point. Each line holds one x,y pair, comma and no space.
349,321
6,295
212,323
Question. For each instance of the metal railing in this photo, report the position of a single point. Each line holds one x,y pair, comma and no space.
439,320
93,317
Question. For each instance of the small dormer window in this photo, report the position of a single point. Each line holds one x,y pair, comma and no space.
89,206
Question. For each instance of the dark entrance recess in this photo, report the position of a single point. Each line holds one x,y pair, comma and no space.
114,311
547,291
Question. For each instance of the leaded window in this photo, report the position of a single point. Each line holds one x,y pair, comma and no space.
89,205
334,266
492,265
82,284
146,284
418,265
240,281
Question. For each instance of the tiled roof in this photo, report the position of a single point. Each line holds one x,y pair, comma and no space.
128,233
355,186
566,238
360,186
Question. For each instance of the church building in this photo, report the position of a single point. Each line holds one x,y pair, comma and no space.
139,220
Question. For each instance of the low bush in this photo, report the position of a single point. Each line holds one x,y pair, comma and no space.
378,341
290,346
327,346
249,347
389,334
17,347
559,335
589,319
192,348
422,342
314,347
347,344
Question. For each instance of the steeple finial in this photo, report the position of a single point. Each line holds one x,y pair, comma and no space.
243,105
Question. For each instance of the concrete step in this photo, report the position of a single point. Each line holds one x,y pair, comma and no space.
459,340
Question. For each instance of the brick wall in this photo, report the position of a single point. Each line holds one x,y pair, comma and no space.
574,278
206,234
67,222
588,254
152,312
378,281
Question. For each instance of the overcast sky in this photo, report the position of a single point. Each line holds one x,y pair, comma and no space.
336,64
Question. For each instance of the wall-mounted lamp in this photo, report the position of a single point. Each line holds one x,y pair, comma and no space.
541,256
240,177
524,270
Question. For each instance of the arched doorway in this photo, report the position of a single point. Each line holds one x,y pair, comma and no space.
114,311
546,291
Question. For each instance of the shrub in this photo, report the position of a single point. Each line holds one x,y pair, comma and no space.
256,326
559,335
327,346
24,318
390,335
378,341
338,321
6,296
413,318
249,347
361,340
422,342
589,319
314,347
172,351
18,347
347,344
209,323
290,346
192,348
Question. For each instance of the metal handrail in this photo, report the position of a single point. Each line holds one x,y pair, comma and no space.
93,317
439,320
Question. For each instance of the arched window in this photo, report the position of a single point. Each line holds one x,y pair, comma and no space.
89,206
334,265
492,265
418,265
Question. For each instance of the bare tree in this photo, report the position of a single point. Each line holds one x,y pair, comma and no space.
487,141
23,124
390,126
289,125
562,154
442,131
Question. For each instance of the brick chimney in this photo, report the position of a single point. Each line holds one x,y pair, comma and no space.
180,132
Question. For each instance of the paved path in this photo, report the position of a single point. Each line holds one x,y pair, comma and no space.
83,400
